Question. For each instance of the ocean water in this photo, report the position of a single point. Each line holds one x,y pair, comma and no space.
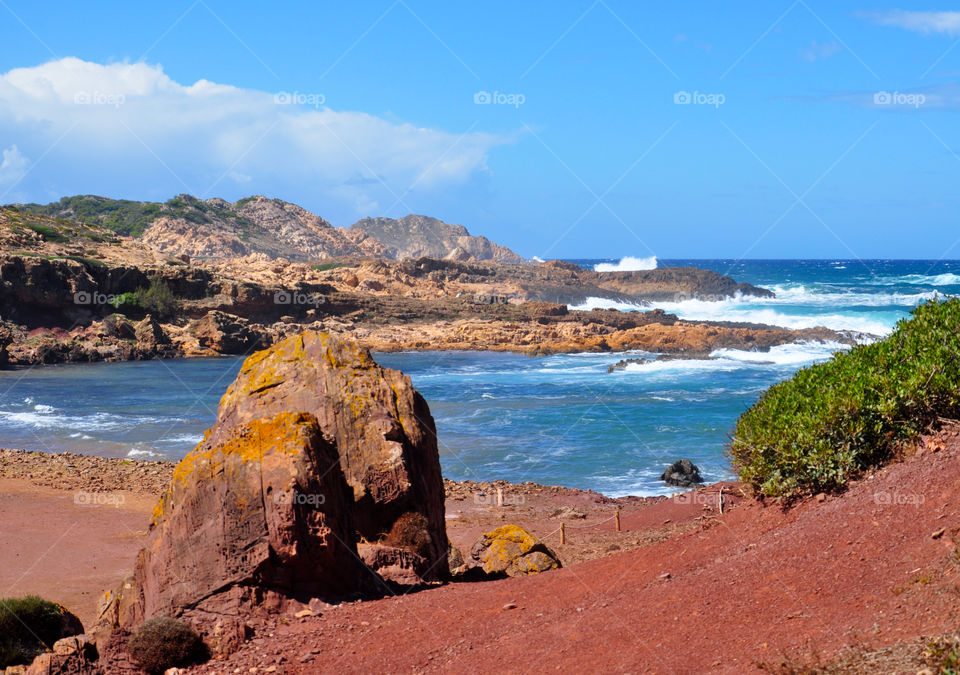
559,419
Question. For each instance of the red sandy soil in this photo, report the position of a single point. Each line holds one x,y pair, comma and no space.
759,586
57,544
681,589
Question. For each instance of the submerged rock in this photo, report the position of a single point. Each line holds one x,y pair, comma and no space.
682,473
513,551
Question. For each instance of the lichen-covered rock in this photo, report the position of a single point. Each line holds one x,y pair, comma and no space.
252,518
381,427
315,448
513,551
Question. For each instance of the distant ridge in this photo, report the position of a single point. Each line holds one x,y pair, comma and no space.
416,236
217,229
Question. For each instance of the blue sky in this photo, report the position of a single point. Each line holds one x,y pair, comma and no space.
812,130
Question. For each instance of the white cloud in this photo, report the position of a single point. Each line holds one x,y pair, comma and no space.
920,22
115,128
13,166
817,51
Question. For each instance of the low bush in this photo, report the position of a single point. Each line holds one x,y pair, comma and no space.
157,299
30,625
161,643
126,303
834,420
48,233
410,532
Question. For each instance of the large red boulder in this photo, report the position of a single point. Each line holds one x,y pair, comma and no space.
315,449
381,427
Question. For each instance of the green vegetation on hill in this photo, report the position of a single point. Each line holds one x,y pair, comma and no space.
131,218
54,230
119,215
834,420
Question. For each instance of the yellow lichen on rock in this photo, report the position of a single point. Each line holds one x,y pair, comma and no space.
513,551
281,435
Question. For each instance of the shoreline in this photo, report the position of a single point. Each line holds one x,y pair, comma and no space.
78,471
60,508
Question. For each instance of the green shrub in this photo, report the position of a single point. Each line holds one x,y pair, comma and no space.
834,420
161,643
48,233
126,303
29,626
323,267
157,299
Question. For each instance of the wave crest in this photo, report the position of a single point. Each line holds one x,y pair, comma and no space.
628,264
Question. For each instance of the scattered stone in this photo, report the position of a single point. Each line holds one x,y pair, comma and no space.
568,513
509,605
939,533
513,551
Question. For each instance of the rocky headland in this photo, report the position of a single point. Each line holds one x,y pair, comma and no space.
73,292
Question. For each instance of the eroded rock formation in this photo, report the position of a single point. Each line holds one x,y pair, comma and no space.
315,448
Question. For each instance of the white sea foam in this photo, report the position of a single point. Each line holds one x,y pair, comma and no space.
184,439
757,310
628,264
43,417
793,354
946,279
142,453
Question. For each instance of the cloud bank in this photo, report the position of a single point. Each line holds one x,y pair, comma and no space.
129,128
947,23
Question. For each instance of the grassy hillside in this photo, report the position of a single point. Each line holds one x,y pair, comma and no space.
833,420
16,223
131,218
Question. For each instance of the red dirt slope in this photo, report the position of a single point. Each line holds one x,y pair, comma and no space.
873,567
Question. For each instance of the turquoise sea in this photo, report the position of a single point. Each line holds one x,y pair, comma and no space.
557,420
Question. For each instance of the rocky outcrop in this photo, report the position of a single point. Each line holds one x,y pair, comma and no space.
226,334
315,448
512,551
257,515
623,364
416,236
682,473
380,425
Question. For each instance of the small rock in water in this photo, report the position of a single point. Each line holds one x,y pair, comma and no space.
682,473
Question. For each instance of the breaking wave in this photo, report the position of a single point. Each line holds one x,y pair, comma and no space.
628,264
